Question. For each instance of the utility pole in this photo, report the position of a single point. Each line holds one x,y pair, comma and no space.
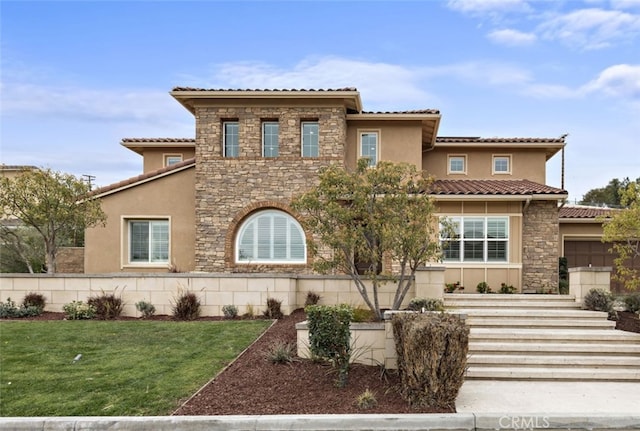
89,179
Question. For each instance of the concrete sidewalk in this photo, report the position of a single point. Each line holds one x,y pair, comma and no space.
478,396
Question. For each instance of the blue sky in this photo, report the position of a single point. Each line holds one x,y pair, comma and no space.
78,76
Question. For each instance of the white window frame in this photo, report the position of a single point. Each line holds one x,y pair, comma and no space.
264,136
224,138
460,221
361,134
499,157
127,222
451,158
252,223
302,139
177,158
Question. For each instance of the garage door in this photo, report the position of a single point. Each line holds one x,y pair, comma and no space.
594,253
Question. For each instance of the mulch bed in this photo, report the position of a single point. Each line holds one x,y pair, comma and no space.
627,321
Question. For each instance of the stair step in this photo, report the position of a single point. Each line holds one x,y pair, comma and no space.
601,349
534,322
540,313
520,361
512,305
549,335
553,373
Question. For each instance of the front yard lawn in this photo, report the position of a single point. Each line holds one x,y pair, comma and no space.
129,368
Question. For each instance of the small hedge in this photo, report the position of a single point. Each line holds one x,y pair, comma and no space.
598,300
432,358
329,336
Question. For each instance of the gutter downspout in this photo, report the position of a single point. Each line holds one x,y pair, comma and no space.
526,204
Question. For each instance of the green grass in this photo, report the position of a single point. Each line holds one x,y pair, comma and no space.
131,368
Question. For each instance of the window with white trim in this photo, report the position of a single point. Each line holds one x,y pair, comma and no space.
230,139
476,239
369,147
271,236
457,164
310,141
172,159
270,131
501,164
148,241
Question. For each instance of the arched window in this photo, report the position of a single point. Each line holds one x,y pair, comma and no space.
271,236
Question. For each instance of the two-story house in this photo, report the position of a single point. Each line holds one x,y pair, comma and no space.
220,202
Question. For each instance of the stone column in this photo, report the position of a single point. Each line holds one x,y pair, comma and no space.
430,282
583,279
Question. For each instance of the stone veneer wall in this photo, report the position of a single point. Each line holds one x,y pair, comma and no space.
540,247
230,189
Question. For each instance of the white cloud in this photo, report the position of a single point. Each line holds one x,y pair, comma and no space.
625,4
488,6
512,37
591,28
620,81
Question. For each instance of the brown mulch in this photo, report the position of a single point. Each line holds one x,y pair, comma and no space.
252,385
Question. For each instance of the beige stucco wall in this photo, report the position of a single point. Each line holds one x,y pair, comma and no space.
525,164
398,141
470,274
172,196
153,158
579,230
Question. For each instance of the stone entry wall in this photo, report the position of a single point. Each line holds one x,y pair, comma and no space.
229,189
540,247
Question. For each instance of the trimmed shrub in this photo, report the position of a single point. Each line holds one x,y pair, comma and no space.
230,311
507,288
311,299
632,302
250,313
281,352
36,300
428,304
329,336
186,306
9,310
483,287
146,308
563,287
273,309
107,306
432,358
78,310
366,400
598,300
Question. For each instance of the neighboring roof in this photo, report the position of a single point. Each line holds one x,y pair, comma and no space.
551,145
584,212
415,111
481,188
160,140
189,96
146,177
4,167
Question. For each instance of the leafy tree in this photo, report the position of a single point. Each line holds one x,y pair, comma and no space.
623,230
610,195
371,214
21,249
53,203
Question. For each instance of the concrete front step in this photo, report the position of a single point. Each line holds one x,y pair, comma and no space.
521,361
535,348
516,335
533,313
553,373
568,305
537,322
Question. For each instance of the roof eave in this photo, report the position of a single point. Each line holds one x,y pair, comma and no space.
494,197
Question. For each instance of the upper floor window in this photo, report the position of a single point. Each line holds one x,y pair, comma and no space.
476,239
270,130
172,159
369,146
271,236
230,144
457,164
148,241
501,164
310,141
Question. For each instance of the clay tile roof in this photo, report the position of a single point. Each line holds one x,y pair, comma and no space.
167,140
275,89
415,111
4,167
585,212
475,139
492,187
144,177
